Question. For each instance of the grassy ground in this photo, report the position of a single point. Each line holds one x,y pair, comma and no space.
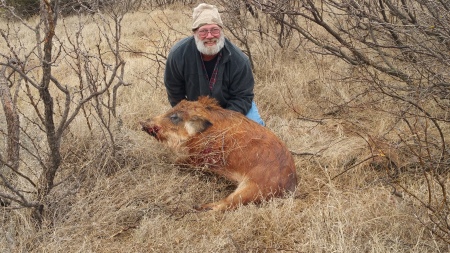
141,202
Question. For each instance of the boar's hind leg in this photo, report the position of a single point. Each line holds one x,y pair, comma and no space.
246,192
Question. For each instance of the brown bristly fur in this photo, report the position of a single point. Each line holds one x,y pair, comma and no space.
228,144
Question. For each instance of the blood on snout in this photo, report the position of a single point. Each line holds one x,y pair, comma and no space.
150,130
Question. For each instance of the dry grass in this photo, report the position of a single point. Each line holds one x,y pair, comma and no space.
145,203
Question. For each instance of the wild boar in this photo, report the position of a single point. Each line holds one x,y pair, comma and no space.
229,144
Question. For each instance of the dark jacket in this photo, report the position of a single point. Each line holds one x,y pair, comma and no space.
184,76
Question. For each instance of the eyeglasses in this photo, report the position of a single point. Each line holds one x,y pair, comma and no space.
214,32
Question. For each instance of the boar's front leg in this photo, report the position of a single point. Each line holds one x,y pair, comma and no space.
246,192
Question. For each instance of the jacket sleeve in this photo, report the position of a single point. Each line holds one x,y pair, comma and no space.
173,78
241,87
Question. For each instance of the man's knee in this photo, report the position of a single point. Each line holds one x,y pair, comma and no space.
253,114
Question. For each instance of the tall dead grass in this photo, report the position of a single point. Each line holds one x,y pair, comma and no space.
140,202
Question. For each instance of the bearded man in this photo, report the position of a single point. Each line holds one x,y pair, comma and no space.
208,64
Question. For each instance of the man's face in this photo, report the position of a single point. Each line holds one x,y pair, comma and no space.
209,39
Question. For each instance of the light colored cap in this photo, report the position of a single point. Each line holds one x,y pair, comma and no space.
206,14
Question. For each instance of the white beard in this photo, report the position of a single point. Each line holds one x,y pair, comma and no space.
210,50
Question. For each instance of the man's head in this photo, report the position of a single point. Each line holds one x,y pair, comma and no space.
207,28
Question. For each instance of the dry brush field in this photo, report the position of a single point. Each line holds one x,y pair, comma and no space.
139,201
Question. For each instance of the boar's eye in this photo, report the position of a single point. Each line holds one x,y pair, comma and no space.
175,118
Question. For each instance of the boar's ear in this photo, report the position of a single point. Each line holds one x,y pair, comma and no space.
197,125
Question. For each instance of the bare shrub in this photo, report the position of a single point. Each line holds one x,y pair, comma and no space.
37,89
398,53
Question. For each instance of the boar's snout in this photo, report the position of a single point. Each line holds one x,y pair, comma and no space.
150,129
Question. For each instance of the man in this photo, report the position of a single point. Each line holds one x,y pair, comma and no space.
208,64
